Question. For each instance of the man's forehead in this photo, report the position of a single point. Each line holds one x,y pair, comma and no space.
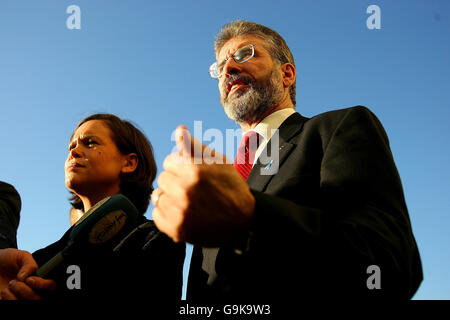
235,43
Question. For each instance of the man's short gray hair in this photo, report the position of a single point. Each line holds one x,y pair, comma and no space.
275,44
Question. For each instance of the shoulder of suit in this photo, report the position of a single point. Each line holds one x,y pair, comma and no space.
8,189
10,198
334,117
147,238
340,113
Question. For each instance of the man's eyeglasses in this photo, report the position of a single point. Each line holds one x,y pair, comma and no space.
240,56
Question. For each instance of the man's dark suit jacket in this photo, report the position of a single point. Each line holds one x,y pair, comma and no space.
10,205
335,207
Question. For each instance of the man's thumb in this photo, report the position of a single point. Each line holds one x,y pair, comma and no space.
189,147
183,139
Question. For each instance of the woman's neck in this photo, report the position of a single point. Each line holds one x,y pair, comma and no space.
90,200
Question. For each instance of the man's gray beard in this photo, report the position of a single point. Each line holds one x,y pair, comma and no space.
257,99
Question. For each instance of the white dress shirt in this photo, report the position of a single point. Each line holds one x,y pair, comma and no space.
268,126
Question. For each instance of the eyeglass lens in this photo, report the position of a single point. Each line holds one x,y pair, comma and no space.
241,55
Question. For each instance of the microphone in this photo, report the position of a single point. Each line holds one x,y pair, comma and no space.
100,228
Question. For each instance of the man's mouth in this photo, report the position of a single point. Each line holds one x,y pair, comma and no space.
234,85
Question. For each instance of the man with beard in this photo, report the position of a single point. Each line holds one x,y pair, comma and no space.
311,208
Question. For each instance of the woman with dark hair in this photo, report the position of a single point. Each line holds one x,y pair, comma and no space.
136,185
107,156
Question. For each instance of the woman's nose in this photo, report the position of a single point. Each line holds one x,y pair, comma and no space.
75,152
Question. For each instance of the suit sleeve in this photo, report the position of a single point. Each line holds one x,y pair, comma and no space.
10,205
361,220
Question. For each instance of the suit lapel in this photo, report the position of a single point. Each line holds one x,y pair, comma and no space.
263,172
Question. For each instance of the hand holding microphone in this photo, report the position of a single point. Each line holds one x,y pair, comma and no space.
15,283
101,228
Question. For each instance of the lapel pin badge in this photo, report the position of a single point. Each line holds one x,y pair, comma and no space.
268,166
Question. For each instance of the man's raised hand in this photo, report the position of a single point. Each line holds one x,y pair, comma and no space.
200,197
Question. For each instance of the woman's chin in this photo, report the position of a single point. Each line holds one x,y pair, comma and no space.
74,186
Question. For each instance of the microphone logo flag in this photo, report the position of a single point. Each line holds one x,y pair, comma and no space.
107,227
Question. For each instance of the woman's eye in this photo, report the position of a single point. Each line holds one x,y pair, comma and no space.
91,143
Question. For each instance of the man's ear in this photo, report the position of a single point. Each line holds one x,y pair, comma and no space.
288,74
130,163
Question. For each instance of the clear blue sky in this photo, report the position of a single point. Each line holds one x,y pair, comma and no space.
147,61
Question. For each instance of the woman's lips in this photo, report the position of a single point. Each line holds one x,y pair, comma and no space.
74,166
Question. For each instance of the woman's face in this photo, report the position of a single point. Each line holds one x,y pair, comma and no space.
94,163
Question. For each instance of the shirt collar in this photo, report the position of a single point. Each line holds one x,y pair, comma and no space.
272,122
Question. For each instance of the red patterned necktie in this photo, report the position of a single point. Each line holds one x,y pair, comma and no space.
246,153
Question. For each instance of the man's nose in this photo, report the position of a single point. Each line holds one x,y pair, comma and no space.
231,67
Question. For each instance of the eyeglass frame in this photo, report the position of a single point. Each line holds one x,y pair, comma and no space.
215,65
